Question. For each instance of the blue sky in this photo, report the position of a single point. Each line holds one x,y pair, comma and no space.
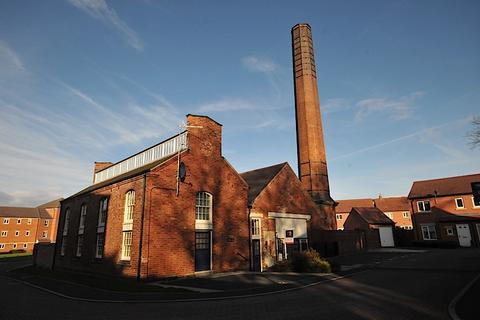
84,81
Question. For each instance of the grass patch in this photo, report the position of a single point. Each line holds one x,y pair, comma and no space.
14,255
52,278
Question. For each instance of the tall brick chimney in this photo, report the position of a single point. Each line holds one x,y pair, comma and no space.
312,161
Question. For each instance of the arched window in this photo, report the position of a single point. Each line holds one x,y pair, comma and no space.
63,247
203,206
127,235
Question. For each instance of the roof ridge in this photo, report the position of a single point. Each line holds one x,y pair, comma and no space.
445,178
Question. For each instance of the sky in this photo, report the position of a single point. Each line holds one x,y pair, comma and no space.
96,80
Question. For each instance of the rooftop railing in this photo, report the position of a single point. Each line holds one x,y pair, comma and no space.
157,152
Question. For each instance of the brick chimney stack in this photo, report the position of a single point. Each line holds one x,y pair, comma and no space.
312,161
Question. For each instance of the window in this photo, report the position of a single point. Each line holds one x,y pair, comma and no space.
102,213
423,206
6,220
83,216
406,215
45,223
126,245
476,204
389,214
27,233
449,230
407,227
102,218
44,234
66,222
339,216
459,203
29,221
2,246
203,206
19,221
79,245
14,246
17,233
63,248
25,246
255,227
4,233
128,225
428,232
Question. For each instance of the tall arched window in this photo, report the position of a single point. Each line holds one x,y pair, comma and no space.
128,225
63,248
203,206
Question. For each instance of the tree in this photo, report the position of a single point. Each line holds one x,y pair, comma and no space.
474,134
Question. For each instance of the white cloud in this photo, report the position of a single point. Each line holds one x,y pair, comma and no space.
257,64
100,10
397,109
335,105
9,59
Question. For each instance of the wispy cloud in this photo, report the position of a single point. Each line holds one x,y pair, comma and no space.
100,10
257,64
397,109
335,105
228,104
9,58
423,135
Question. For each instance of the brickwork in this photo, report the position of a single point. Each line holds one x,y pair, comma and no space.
19,236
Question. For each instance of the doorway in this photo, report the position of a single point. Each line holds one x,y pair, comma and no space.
464,236
256,256
202,251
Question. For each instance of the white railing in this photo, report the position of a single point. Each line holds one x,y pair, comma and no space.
152,154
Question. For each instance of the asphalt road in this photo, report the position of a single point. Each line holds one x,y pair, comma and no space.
417,286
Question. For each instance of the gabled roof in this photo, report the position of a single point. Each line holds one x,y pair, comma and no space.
258,179
393,204
37,212
126,175
345,206
372,215
443,186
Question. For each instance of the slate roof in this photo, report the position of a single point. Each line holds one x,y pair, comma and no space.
372,215
258,179
443,186
445,216
37,212
345,206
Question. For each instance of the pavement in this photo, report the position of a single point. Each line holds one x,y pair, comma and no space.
381,285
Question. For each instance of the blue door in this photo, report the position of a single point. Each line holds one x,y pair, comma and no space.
202,251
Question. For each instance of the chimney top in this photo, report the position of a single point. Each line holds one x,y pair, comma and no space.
304,24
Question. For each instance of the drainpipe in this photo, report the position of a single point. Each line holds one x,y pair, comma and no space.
249,239
140,245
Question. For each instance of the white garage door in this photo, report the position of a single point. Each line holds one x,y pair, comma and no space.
386,236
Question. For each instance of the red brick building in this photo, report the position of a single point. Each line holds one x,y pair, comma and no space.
178,208
372,218
397,209
445,210
21,228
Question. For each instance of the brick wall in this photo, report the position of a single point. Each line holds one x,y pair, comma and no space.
22,240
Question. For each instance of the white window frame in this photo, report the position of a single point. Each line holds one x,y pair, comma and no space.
406,214
83,218
256,228
17,233
127,240
44,234
29,221
100,247
102,212
63,247
6,220
456,203
389,215
45,223
25,245
4,233
473,203
449,231
339,216
19,221
102,219
2,245
203,207
14,246
423,206
27,233
427,227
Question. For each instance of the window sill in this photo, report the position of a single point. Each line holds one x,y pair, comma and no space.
124,262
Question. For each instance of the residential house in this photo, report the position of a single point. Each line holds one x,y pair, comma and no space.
371,218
